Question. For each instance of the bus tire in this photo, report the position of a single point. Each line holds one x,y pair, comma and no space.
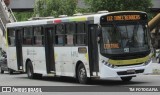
158,60
81,74
2,71
126,79
30,72
10,71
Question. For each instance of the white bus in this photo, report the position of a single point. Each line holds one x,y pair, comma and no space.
101,46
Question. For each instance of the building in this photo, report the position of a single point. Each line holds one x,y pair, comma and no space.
156,6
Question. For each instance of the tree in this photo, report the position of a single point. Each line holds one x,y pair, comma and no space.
55,7
23,16
45,8
119,5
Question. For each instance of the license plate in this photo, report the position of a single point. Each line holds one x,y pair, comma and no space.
131,71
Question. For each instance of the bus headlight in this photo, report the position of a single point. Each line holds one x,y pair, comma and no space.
109,65
147,62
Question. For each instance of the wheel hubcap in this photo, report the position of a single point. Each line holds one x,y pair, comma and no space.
158,60
29,72
82,73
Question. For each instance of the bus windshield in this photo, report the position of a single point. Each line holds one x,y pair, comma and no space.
124,38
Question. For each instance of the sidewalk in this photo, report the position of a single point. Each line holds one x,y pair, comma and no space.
156,67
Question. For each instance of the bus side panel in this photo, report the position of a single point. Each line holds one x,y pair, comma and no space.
64,61
39,60
27,54
12,58
81,55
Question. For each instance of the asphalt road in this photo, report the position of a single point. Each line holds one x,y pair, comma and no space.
22,80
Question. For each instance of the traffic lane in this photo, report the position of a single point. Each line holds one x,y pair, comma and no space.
17,79
22,80
144,80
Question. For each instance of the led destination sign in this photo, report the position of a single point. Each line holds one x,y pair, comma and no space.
123,17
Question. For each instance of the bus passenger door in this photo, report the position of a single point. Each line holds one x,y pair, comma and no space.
93,50
18,38
49,49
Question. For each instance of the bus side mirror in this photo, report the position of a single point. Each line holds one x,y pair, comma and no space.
4,54
99,34
99,31
98,39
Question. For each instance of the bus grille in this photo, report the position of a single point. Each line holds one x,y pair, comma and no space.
129,64
127,73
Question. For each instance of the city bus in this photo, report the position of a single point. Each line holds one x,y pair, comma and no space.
93,46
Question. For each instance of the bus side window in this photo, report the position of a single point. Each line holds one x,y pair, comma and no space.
38,36
80,34
70,30
60,34
11,37
28,36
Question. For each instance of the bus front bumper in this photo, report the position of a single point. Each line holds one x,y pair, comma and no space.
125,71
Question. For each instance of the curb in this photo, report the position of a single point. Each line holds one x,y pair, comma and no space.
156,71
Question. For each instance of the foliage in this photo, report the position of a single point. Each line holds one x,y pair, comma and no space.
23,16
119,5
82,10
55,7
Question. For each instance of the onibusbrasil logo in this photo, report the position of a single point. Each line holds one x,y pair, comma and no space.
21,89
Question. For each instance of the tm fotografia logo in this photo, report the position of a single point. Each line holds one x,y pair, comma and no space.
143,89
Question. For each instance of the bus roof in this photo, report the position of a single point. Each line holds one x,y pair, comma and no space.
93,17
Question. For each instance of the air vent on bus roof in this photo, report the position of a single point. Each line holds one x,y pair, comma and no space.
40,18
100,12
62,16
78,14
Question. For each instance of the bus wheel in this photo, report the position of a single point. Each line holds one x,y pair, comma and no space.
30,70
2,71
126,79
10,71
158,60
81,74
